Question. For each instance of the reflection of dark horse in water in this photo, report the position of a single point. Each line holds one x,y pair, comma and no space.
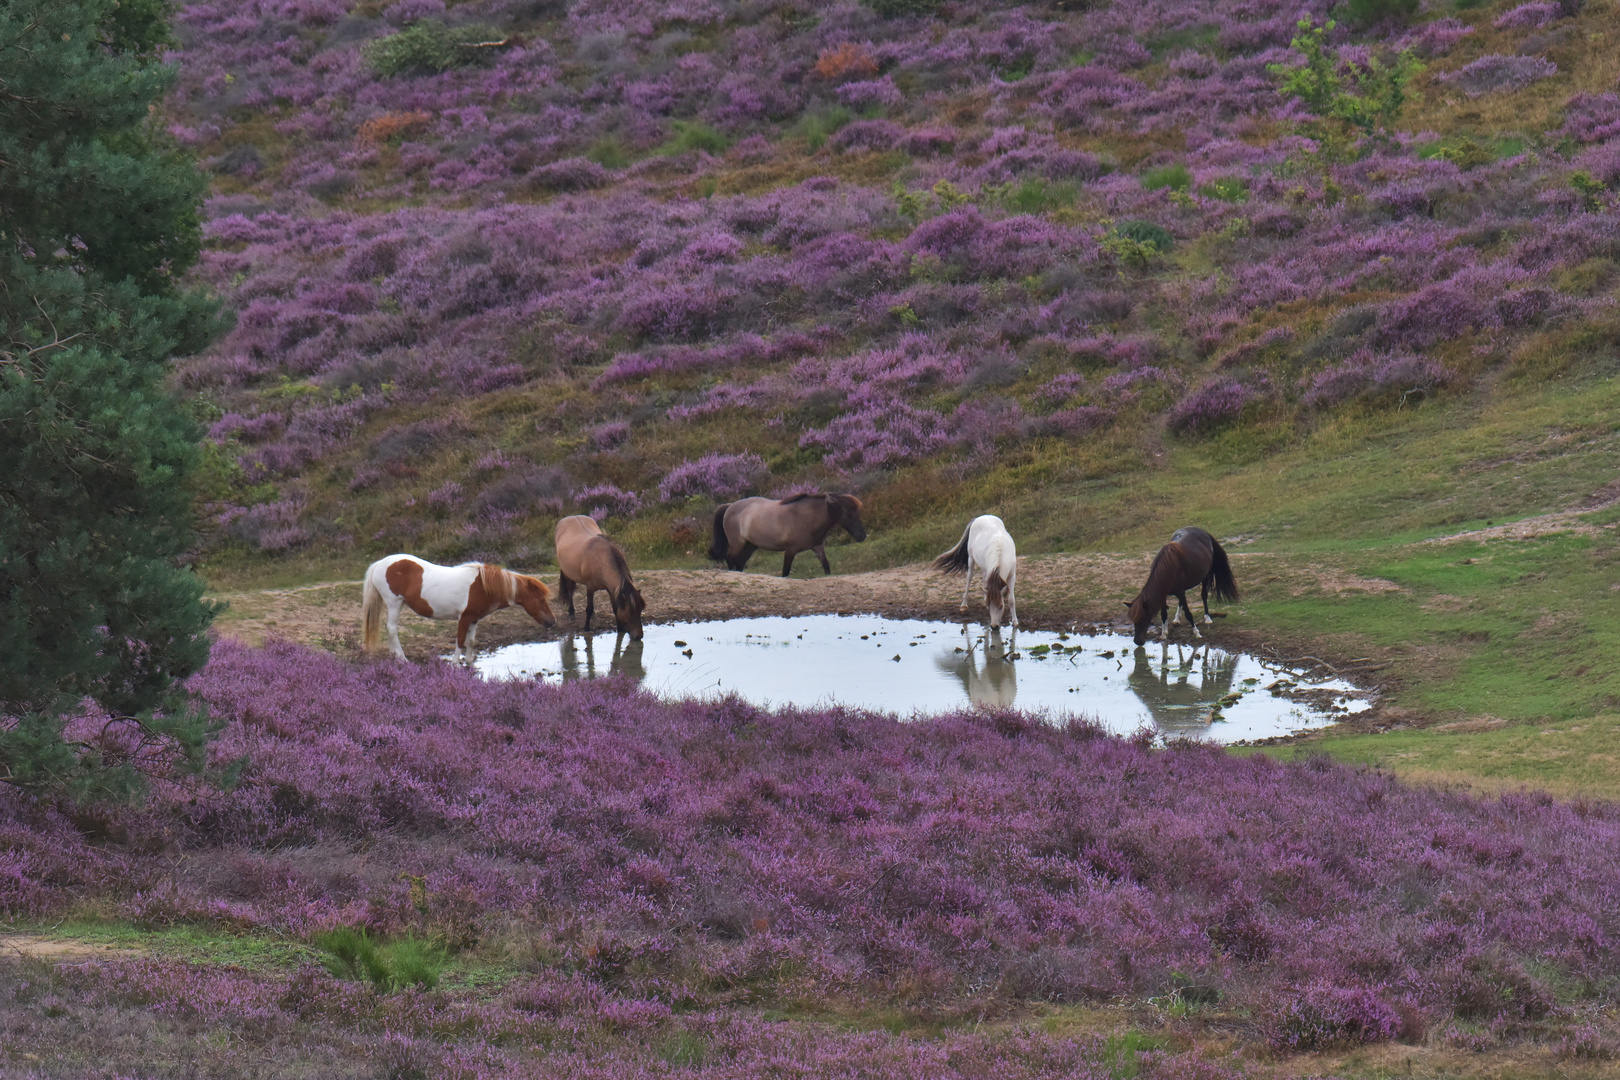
1167,688
994,681
1192,557
626,659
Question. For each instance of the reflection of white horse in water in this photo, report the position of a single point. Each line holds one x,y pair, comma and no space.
987,545
994,682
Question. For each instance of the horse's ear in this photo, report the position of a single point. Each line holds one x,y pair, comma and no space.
1127,604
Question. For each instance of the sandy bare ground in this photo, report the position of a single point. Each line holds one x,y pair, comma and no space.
43,947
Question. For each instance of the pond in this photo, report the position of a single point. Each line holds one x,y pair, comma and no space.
910,667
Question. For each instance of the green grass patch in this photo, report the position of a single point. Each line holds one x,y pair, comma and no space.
1175,177
692,135
819,126
1565,757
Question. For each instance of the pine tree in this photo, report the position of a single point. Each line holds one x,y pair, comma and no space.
98,219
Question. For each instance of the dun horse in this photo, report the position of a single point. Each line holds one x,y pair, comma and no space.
987,545
792,525
587,558
1192,557
466,593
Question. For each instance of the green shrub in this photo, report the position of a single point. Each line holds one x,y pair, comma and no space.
608,152
1175,177
818,127
894,9
1372,12
1036,195
428,46
1232,189
1148,233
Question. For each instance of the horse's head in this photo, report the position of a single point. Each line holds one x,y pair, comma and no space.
1141,616
845,510
535,598
627,608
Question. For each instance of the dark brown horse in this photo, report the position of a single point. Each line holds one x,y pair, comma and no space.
792,525
587,558
1192,557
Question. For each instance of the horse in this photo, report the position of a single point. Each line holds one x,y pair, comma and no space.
585,557
791,525
987,545
1192,557
466,593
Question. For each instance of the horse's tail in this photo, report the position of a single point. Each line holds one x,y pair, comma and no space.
955,561
1225,585
720,546
371,612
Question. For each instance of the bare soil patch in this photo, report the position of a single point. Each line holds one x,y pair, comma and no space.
41,947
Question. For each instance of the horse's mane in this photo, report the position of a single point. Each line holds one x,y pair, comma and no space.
1166,559
498,581
828,495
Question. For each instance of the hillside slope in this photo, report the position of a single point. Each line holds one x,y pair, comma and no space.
508,260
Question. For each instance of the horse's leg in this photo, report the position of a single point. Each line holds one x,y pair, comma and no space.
1207,619
394,604
463,625
747,552
821,553
787,562
472,643
1192,622
565,585
1012,599
1164,621
590,606
968,584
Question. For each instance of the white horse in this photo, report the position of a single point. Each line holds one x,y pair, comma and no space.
987,545
466,593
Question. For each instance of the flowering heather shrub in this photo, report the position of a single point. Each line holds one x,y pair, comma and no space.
270,526
1529,15
1368,374
1591,118
655,842
1211,405
602,500
868,136
1435,38
1321,1016
880,435
718,475
1496,73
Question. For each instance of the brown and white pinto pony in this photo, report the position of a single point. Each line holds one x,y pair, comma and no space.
1192,557
791,525
588,559
466,593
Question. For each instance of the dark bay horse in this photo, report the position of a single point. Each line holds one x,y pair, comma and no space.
1192,557
792,525
587,558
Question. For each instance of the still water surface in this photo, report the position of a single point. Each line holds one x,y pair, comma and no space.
911,666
